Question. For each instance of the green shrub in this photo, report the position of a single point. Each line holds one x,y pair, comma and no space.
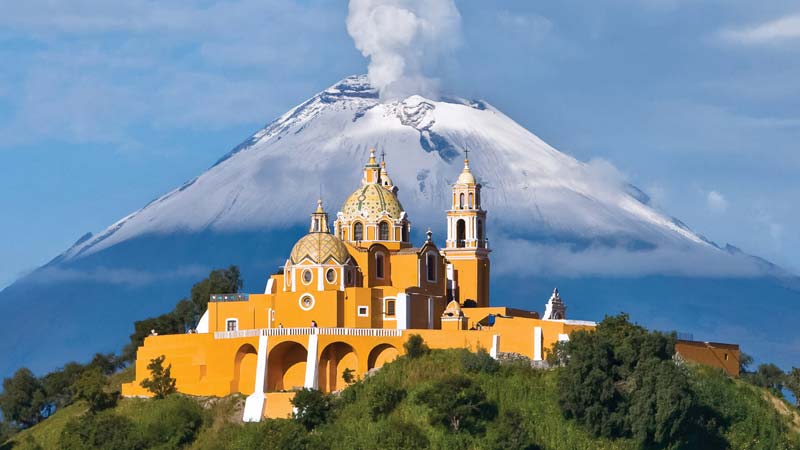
104,431
509,431
382,398
415,346
457,403
160,382
478,362
313,408
270,434
170,423
91,388
399,435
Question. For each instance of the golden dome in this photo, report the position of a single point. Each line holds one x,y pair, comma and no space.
370,201
319,248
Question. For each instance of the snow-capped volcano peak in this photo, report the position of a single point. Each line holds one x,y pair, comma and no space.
532,191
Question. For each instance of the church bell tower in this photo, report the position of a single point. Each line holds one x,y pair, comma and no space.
467,248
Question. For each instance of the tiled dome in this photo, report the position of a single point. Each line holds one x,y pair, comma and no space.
319,248
370,201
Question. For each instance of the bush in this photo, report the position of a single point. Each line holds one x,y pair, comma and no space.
383,398
171,423
793,384
415,346
100,431
348,375
313,408
509,431
91,388
160,382
458,404
271,434
768,376
398,435
479,361
620,381
22,398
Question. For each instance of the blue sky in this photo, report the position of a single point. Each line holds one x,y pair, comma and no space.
106,105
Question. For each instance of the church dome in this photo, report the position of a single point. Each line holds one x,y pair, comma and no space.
319,248
466,176
370,201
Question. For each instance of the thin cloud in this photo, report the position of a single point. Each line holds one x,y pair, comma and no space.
716,202
775,31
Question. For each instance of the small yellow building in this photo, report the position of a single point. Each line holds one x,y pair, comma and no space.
349,300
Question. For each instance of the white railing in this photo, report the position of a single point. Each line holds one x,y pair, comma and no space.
368,332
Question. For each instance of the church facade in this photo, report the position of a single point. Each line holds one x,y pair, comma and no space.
349,299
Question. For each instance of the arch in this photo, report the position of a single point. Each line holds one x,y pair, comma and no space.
358,231
383,231
480,229
244,370
471,200
405,232
286,366
461,201
380,355
461,233
430,266
334,359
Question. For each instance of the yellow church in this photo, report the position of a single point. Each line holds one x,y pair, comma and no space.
350,299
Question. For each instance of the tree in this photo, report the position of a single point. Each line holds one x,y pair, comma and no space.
347,375
313,407
383,398
793,384
160,382
479,361
510,431
22,398
620,381
768,376
415,346
59,384
458,404
187,311
91,388
100,431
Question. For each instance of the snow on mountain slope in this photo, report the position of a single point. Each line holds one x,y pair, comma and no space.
532,191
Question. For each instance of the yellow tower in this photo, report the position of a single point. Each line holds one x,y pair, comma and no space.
467,248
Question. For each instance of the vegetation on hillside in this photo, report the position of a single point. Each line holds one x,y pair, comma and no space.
617,387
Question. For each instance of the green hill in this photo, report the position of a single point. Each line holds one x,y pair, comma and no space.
411,403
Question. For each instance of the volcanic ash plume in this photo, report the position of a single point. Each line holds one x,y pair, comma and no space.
402,38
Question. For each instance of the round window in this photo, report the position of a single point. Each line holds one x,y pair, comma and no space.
307,276
306,302
330,275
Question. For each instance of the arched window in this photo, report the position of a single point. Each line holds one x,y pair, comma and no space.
461,201
383,231
471,201
480,230
461,233
430,263
358,232
405,232
379,269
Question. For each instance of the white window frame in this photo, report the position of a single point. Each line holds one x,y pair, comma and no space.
303,307
303,276
365,313
335,276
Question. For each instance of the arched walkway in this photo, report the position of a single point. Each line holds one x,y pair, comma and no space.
286,367
380,355
333,361
244,370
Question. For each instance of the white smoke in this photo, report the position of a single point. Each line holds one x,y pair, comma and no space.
403,38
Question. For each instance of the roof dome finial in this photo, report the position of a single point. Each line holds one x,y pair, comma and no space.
466,176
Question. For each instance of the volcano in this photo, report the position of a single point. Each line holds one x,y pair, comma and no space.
552,221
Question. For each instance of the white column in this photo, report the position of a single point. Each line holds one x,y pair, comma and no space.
254,404
401,311
320,280
537,344
312,365
495,346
